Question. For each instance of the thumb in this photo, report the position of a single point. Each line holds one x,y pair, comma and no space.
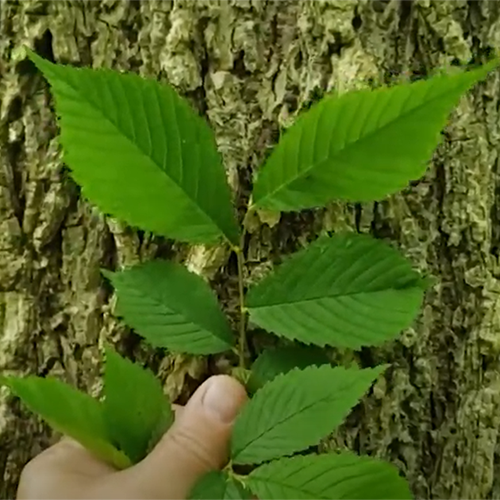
197,442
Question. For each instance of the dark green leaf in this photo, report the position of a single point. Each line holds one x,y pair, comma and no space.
217,485
134,406
349,290
328,477
272,362
171,307
163,424
296,410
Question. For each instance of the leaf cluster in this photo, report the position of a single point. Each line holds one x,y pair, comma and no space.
119,429
141,154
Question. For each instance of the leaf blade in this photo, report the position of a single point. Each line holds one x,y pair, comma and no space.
276,421
363,159
336,291
171,307
143,139
332,476
272,362
134,406
70,412
217,485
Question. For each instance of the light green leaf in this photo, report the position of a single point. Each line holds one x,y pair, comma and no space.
349,290
217,485
272,362
362,145
70,412
141,153
336,476
296,410
134,406
171,307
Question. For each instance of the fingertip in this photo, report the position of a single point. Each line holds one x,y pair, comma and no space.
223,397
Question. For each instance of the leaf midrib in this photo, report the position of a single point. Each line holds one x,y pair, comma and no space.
163,305
302,410
330,296
314,494
352,144
96,109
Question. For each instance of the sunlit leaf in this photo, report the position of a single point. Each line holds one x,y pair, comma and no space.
140,153
362,145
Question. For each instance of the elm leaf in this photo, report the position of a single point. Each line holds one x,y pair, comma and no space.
361,146
328,477
134,406
272,362
296,410
69,411
217,485
141,153
348,290
171,307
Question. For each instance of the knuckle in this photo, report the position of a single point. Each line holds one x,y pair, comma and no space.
30,471
186,443
32,476
40,465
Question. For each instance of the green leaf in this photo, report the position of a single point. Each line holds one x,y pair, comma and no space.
171,307
362,145
217,485
349,290
141,153
272,362
164,422
339,476
296,410
70,412
134,406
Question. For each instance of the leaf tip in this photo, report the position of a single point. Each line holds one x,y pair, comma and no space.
427,282
109,352
36,59
4,381
380,369
493,64
109,275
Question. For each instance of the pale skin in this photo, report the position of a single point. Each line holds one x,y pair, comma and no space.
197,442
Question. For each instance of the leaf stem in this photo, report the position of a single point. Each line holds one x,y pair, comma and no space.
242,345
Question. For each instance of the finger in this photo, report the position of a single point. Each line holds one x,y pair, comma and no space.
196,443
70,456
178,409
62,471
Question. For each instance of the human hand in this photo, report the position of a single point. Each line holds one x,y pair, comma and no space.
196,443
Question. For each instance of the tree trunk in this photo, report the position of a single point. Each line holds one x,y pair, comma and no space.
249,67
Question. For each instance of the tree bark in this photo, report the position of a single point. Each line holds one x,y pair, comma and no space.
250,67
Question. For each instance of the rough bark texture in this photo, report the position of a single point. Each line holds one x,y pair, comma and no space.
249,67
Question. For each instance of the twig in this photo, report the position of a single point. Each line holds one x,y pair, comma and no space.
242,347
